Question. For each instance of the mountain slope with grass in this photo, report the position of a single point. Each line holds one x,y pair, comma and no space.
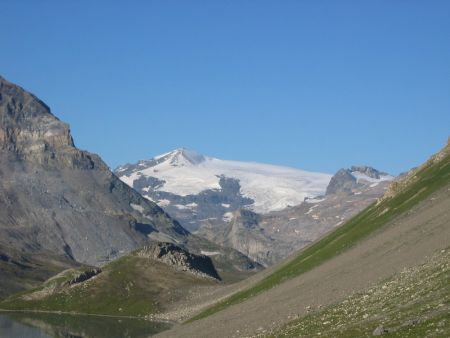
143,284
19,270
400,231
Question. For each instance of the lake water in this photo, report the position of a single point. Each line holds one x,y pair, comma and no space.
40,325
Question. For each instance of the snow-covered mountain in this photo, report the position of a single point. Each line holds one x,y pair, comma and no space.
254,208
263,187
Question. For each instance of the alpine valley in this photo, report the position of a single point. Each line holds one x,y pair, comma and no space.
187,245
63,207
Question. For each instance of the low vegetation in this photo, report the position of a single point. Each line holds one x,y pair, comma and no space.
415,303
130,286
430,177
19,271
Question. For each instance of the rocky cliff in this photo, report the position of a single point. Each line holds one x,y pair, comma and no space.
58,200
61,199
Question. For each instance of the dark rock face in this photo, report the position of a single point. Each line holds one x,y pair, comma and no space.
345,181
210,204
369,171
28,129
57,198
179,258
84,276
342,181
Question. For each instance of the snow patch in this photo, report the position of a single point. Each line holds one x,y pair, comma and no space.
163,203
149,198
311,209
137,207
228,216
363,177
209,253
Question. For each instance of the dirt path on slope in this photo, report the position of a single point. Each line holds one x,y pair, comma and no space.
405,241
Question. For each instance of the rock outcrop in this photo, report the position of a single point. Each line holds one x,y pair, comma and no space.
84,276
180,259
342,181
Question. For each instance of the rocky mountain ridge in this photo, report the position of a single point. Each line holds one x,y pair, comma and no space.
59,200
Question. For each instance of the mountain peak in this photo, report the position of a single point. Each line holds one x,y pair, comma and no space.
369,171
345,180
27,124
181,157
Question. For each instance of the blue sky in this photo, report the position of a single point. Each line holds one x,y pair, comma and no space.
317,85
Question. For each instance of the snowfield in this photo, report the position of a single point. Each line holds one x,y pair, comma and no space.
186,172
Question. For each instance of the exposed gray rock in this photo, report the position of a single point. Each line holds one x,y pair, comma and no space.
222,215
411,322
369,171
210,204
380,330
179,258
268,238
342,181
84,276
346,180
65,201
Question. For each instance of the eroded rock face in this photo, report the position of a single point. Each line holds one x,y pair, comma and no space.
342,181
26,122
29,130
180,259
58,198
368,171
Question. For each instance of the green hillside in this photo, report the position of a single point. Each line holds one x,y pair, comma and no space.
129,286
414,303
414,188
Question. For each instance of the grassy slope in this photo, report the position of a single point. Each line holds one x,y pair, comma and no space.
414,303
428,179
23,271
129,286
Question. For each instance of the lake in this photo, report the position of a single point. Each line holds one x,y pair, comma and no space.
44,325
